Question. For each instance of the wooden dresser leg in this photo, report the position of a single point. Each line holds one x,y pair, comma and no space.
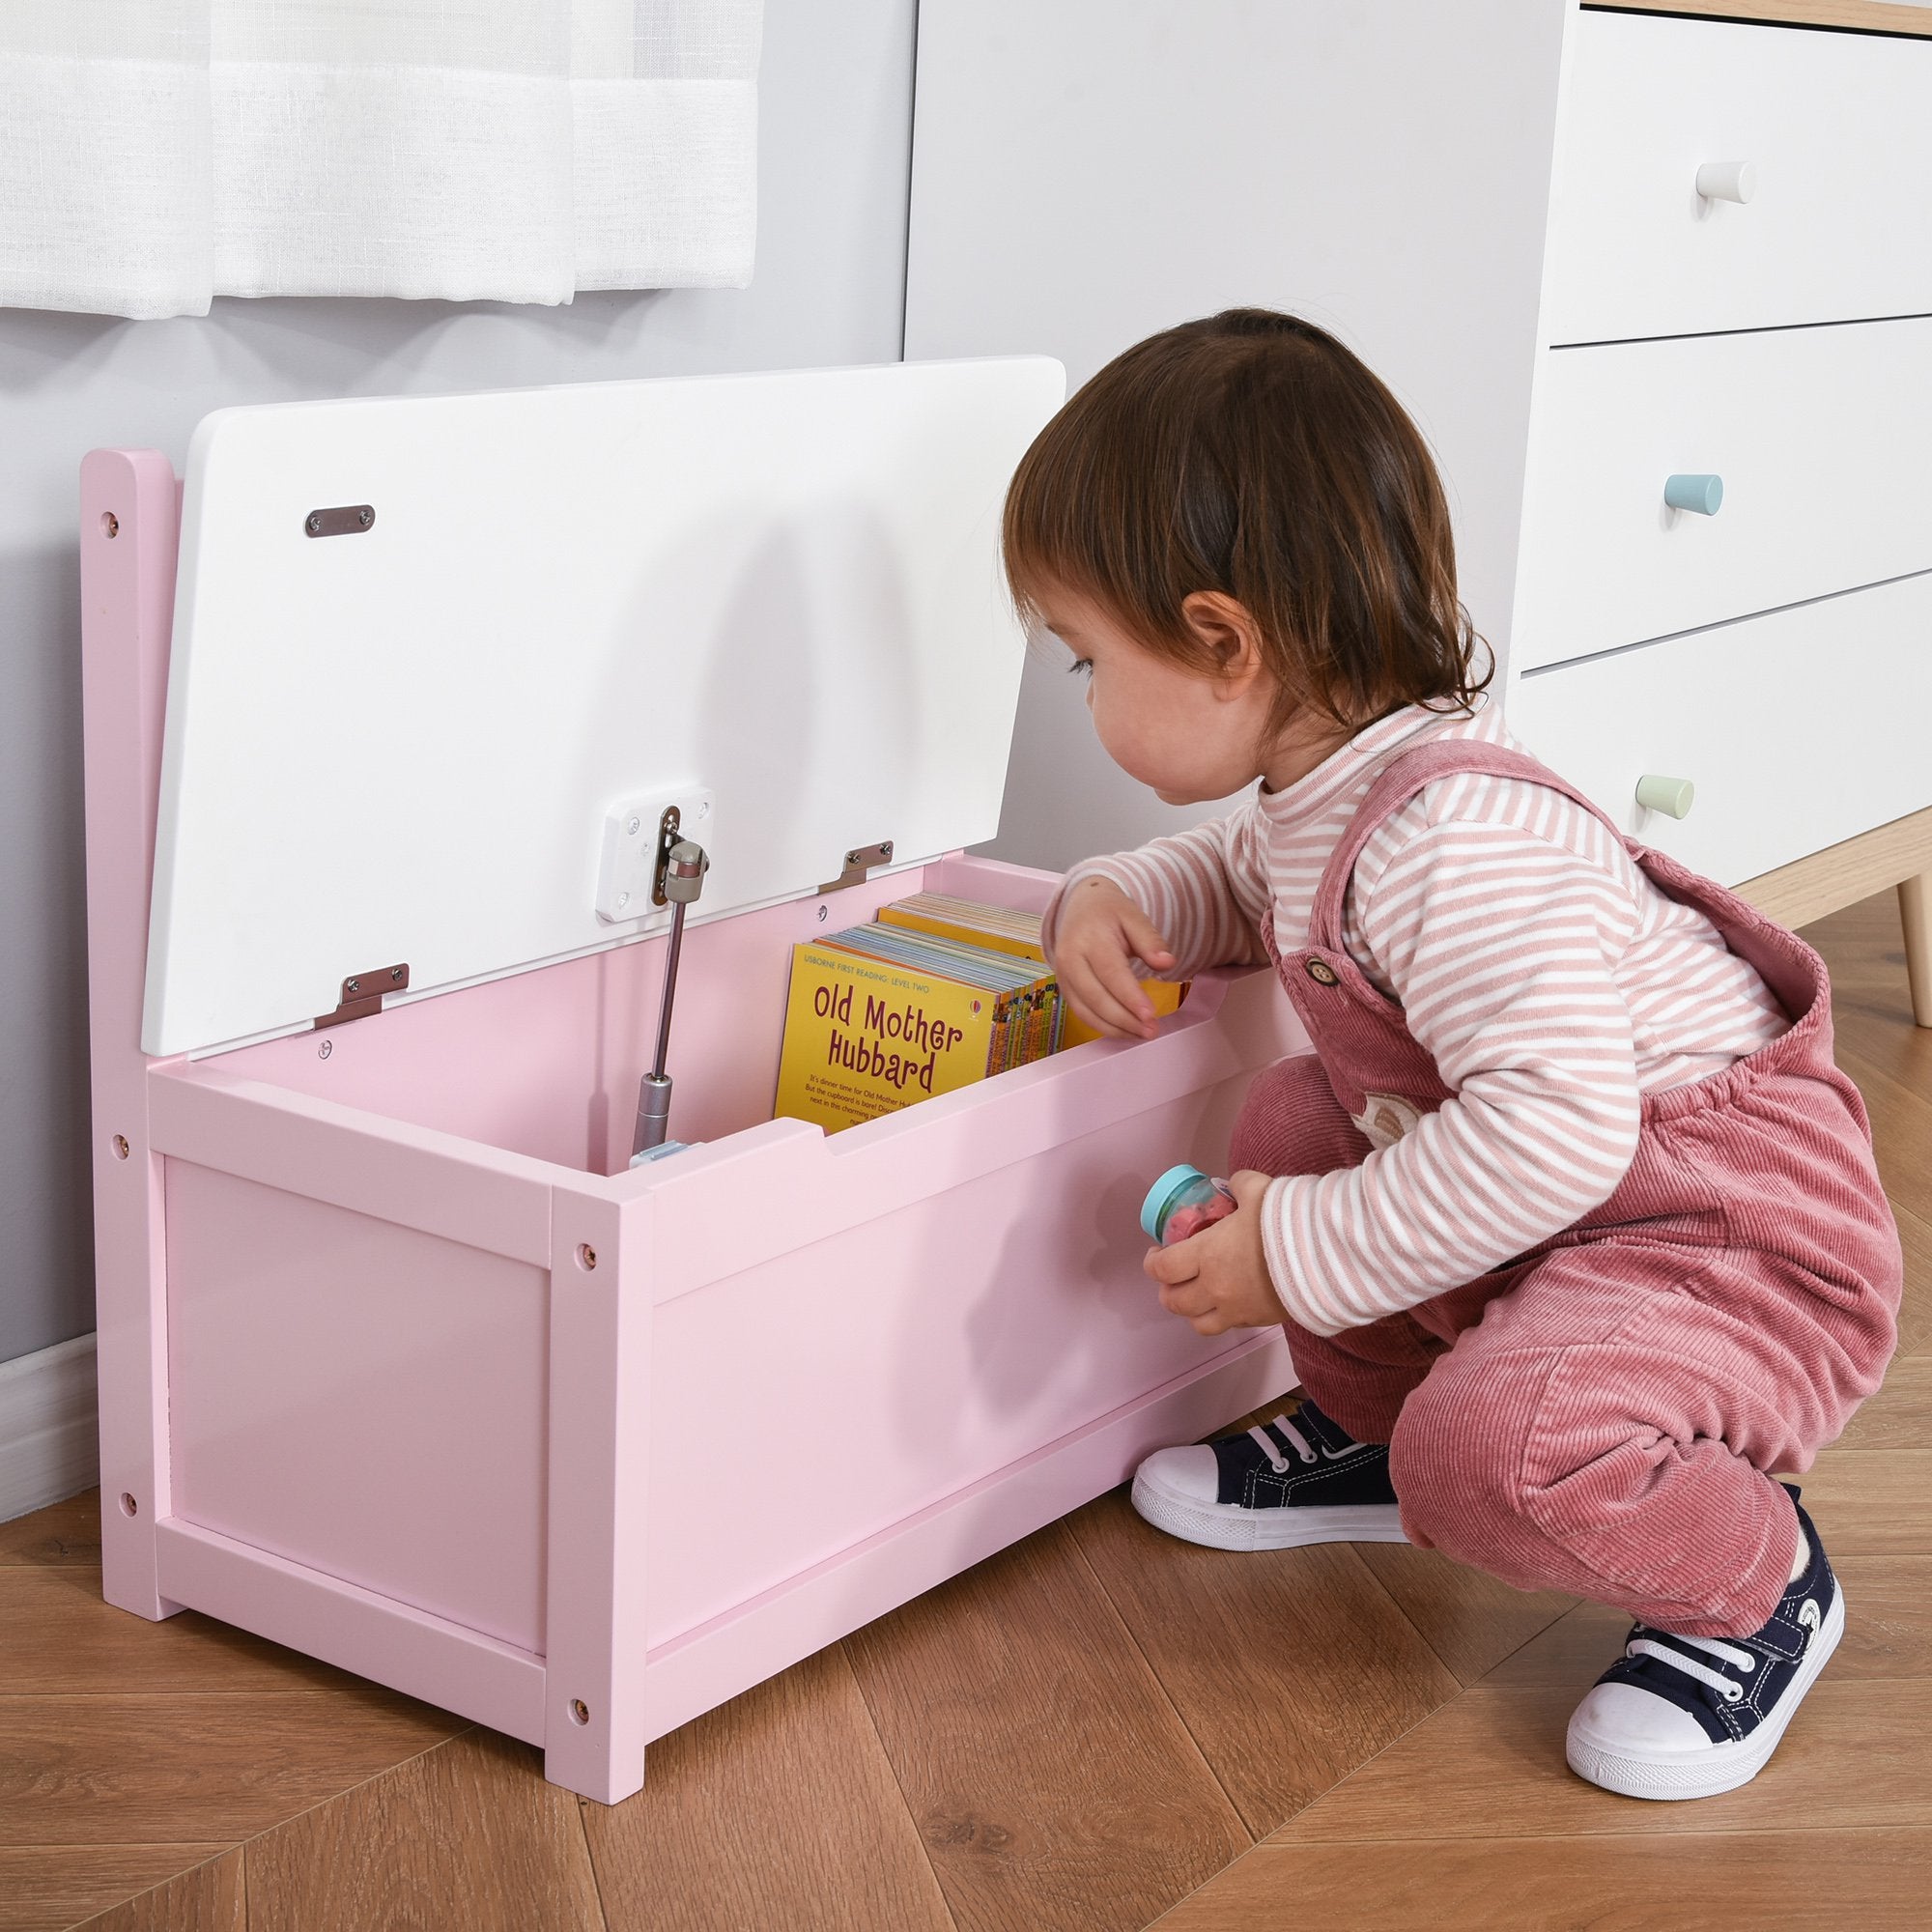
1915,910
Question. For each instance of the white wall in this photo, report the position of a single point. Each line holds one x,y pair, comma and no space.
1089,171
834,134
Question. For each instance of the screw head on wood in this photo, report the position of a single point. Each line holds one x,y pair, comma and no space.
580,1711
128,1506
586,1256
120,1147
325,1049
110,524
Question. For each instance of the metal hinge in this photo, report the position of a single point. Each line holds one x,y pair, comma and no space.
857,863
363,993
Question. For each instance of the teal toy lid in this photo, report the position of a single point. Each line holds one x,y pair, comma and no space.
1163,1194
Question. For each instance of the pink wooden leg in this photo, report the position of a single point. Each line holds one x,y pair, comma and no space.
1915,910
600,1327
129,529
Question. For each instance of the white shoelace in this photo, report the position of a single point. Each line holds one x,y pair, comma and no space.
1277,1462
1728,1688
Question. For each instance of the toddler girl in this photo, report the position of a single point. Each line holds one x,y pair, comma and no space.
1570,1219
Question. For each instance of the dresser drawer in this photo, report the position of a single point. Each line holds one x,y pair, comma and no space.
1838,129
1818,438
1798,730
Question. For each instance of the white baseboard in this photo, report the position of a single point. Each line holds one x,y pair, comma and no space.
50,1441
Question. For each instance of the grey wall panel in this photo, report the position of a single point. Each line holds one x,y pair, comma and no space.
834,137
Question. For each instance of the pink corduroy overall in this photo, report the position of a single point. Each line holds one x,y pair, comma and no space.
1600,1415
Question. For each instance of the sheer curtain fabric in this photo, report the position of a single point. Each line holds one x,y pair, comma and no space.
156,153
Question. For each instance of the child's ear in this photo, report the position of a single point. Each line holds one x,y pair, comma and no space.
1224,629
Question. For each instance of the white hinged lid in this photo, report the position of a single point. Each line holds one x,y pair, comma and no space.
399,741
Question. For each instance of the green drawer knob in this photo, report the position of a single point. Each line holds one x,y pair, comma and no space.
1702,496
1670,796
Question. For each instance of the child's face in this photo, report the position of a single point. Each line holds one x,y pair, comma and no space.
1191,736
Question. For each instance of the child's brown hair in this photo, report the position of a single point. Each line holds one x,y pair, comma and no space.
1250,453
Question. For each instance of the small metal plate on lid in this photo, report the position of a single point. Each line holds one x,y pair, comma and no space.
779,591
349,519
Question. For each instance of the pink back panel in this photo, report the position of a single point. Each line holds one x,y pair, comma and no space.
512,1063
546,1063
362,1398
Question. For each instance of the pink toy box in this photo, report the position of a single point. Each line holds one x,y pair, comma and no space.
401,1365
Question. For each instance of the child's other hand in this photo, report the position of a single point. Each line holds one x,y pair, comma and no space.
1219,1279
1100,933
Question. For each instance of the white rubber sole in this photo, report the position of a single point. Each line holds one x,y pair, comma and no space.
1230,1526
1694,1773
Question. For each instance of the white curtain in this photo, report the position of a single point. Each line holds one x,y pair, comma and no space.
156,153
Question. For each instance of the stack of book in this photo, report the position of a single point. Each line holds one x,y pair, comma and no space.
1008,931
938,993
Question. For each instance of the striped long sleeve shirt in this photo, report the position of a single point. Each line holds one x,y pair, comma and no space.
1550,981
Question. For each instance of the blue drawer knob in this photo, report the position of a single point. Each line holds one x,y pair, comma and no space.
1670,796
1702,496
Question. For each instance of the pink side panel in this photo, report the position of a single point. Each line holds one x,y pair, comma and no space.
361,1398
601,1338
129,528
388,1169
700,1670
377,1636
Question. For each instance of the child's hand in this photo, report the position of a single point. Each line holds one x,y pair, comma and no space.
1219,1279
1100,933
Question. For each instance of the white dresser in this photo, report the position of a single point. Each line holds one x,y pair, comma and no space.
1658,288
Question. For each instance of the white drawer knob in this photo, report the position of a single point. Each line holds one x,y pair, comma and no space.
1670,796
1727,180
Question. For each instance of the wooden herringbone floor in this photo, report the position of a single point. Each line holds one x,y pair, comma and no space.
1099,1727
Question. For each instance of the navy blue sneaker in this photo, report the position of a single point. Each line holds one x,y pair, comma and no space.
1687,1717
1297,1479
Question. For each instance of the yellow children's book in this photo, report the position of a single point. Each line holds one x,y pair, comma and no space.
878,1018
1008,931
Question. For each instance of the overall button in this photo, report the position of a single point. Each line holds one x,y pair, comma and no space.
1322,973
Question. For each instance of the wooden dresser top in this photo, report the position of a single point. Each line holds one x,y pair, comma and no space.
1865,16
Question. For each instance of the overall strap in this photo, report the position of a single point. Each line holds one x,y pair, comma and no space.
1397,783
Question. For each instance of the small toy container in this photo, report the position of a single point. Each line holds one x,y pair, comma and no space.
1182,1203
